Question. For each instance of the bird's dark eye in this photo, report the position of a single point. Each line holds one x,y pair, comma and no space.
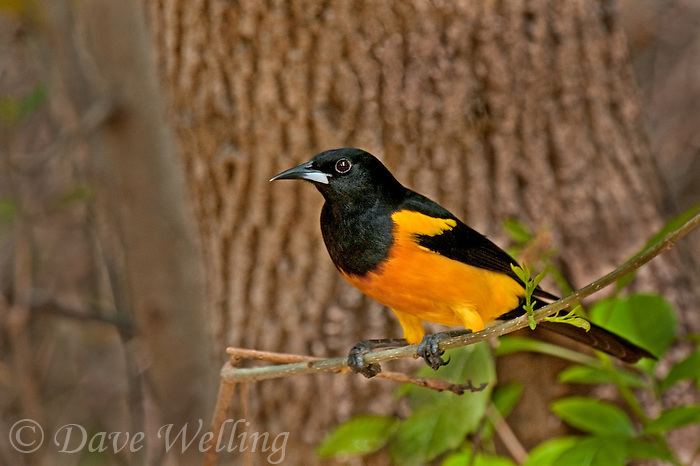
343,166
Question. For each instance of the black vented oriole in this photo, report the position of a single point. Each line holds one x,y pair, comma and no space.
414,256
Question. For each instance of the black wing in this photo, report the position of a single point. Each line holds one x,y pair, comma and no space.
462,243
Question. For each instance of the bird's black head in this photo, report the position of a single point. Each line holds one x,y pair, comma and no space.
347,175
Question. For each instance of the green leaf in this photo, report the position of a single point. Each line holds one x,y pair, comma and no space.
644,449
671,225
506,397
521,272
644,319
546,453
509,345
524,274
538,278
440,421
599,375
674,418
464,458
436,428
594,416
570,318
531,322
358,436
517,231
473,363
688,368
595,451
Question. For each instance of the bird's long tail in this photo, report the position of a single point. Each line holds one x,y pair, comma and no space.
597,337
600,339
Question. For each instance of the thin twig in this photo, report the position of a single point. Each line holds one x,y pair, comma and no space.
18,326
268,356
245,408
314,366
476,441
506,434
439,385
53,307
223,403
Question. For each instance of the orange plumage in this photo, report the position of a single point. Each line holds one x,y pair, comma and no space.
421,285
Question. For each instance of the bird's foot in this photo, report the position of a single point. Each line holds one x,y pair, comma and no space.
429,350
356,357
356,360
429,347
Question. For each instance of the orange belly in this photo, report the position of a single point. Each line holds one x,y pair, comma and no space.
434,288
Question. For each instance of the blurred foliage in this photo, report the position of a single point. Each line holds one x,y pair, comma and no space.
359,436
14,109
644,319
8,210
77,194
26,9
451,430
689,368
524,242
518,232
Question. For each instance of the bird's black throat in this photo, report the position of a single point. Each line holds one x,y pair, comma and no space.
358,236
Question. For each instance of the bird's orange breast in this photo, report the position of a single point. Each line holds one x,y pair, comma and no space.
432,287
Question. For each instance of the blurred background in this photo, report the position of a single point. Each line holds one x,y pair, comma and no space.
139,236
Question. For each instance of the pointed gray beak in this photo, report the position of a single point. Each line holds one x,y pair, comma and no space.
303,172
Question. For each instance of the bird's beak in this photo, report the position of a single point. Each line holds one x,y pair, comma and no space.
303,172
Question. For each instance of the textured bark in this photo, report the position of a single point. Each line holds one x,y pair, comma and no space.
495,109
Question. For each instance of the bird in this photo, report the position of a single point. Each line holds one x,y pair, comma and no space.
418,259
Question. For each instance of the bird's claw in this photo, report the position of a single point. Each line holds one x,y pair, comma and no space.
356,360
429,350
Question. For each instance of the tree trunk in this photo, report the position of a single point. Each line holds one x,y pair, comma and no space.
101,51
495,109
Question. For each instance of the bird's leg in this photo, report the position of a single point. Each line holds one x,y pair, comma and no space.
429,348
356,357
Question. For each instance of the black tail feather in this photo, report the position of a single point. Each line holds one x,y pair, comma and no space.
600,339
597,337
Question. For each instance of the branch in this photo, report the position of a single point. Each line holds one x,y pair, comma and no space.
227,388
439,385
307,365
508,437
